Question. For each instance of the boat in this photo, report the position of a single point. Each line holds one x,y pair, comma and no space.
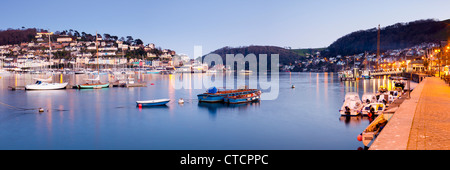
214,95
93,85
393,95
40,85
374,128
366,74
157,102
243,98
369,98
154,71
352,105
382,89
378,108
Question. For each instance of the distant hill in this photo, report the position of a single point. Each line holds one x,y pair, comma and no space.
286,56
397,36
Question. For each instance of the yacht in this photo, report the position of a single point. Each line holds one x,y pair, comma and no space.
352,105
40,85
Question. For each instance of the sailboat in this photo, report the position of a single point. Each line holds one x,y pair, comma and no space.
39,85
44,84
98,84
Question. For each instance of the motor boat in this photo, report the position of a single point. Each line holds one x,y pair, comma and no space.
369,98
378,108
352,105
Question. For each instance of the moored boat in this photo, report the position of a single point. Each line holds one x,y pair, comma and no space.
374,128
214,95
243,98
377,108
93,86
369,98
39,85
352,105
157,102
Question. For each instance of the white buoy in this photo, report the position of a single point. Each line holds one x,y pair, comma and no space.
293,86
180,101
41,109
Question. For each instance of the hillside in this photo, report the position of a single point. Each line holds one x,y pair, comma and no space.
17,36
286,56
397,36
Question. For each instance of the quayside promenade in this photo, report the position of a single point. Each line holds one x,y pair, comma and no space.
421,122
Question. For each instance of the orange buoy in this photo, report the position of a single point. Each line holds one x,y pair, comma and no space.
359,137
140,105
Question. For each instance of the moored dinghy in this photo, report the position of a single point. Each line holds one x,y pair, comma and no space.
157,102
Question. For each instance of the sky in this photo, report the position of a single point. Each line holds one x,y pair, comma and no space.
213,24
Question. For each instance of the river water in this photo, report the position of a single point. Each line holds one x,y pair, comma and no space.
301,118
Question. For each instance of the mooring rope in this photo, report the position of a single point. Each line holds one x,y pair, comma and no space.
17,108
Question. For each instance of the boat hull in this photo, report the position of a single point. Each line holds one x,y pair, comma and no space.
152,102
244,98
241,100
93,86
210,98
54,86
220,96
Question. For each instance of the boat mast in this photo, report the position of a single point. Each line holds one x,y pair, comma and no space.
96,46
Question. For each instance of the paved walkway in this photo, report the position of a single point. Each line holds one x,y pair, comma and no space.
431,125
420,123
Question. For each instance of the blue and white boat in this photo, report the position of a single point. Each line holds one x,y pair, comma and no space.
157,102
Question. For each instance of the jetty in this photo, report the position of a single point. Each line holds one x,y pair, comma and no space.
421,122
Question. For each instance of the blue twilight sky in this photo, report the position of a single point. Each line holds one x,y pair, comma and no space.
180,25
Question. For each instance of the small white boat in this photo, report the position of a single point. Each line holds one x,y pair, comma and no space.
378,108
393,95
369,98
352,105
39,85
156,102
389,97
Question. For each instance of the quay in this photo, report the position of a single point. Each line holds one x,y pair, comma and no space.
421,122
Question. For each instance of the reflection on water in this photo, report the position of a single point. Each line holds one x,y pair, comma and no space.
304,117
215,108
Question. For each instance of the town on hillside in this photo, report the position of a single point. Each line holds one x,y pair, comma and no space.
58,51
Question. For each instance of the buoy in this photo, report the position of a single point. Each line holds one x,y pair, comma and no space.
181,101
359,137
140,105
153,84
41,109
293,86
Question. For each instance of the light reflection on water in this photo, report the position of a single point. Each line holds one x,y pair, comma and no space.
305,117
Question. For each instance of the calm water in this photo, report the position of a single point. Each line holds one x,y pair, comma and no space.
302,118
